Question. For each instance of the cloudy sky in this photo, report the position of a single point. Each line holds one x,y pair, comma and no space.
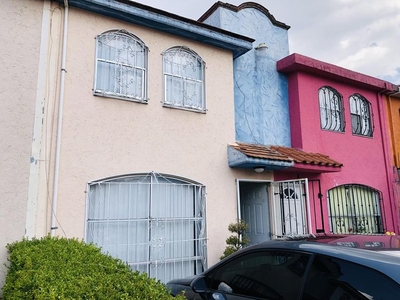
360,35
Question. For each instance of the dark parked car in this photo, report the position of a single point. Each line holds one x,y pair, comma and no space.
296,270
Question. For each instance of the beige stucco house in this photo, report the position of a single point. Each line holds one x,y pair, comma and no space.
115,123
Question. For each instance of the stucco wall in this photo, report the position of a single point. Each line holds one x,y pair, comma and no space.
393,109
260,91
20,23
104,137
393,113
363,158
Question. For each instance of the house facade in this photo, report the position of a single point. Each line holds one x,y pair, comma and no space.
148,133
330,122
342,114
120,137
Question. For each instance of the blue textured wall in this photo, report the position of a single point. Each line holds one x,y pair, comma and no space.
261,94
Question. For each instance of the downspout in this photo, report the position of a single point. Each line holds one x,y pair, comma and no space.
389,177
59,125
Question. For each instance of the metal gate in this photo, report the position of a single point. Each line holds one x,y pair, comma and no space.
290,208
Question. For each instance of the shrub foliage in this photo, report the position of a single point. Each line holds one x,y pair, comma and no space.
237,241
59,268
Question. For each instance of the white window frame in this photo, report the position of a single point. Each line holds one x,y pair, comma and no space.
127,63
155,223
175,61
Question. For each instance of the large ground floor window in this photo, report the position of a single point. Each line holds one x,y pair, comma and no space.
355,209
155,223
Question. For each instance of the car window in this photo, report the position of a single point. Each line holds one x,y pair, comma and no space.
263,274
331,279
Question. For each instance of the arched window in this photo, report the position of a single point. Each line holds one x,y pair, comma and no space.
355,209
331,109
121,66
360,110
183,71
155,223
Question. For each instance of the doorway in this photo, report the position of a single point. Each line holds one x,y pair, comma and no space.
253,204
274,209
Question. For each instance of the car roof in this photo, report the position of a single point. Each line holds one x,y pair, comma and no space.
387,264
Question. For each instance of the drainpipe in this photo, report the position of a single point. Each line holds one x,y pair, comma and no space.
389,176
59,125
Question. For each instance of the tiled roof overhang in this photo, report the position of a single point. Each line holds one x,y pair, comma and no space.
242,155
160,20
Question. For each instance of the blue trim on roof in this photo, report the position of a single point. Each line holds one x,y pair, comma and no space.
237,159
147,16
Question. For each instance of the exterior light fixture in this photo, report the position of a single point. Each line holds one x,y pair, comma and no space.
261,46
259,169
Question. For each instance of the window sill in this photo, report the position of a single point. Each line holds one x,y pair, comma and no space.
202,111
130,99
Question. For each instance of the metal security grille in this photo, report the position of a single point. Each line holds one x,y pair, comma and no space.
331,109
183,79
316,205
355,209
291,215
121,66
360,110
154,223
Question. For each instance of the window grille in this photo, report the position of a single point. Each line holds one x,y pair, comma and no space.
355,209
331,109
154,223
121,66
183,79
290,208
360,110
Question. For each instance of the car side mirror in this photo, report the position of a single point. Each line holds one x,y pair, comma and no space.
199,285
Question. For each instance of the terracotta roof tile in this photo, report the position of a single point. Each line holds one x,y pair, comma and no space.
285,154
260,151
300,156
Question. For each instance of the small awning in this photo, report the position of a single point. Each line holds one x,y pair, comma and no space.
242,155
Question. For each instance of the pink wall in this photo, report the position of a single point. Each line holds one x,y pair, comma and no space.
365,159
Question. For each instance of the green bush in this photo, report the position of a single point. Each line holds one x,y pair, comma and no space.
238,241
59,268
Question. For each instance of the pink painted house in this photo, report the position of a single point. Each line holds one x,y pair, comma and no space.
341,114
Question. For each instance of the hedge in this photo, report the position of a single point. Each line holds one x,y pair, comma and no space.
60,268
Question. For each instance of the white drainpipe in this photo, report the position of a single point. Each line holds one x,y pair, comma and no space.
59,125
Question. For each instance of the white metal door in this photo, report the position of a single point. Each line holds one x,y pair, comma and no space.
290,208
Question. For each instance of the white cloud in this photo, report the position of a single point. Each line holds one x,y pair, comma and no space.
344,43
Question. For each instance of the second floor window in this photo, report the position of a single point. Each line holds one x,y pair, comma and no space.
183,79
360,110
331,109
121,66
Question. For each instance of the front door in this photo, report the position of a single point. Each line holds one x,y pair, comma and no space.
254,210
